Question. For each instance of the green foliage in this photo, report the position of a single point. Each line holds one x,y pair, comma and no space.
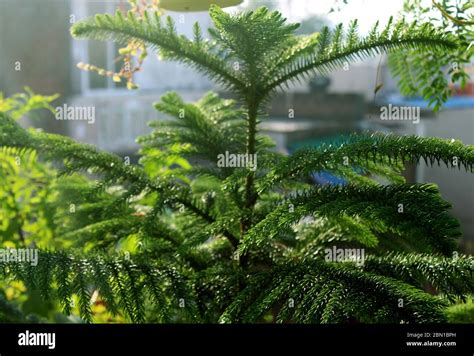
378,207
254,53
331,293
363,150
10,313
462,313
179,238
20,104
25,196
429,74
448,275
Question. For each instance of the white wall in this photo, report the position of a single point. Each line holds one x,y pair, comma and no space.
457,186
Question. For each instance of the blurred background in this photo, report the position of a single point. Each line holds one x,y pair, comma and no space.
36,50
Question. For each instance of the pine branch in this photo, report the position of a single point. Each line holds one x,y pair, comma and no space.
199,131
152,32
78,156
75,156
99,231
374,148
252,39
333,49
118,280
329,293
313,237
451,276
423,213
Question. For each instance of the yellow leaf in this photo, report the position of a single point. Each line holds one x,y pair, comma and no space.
131,86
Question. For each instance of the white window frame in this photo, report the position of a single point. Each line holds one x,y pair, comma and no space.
80,50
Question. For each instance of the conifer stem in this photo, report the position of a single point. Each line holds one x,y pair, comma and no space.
250,193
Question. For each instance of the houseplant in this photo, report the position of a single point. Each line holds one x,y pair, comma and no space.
180,237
